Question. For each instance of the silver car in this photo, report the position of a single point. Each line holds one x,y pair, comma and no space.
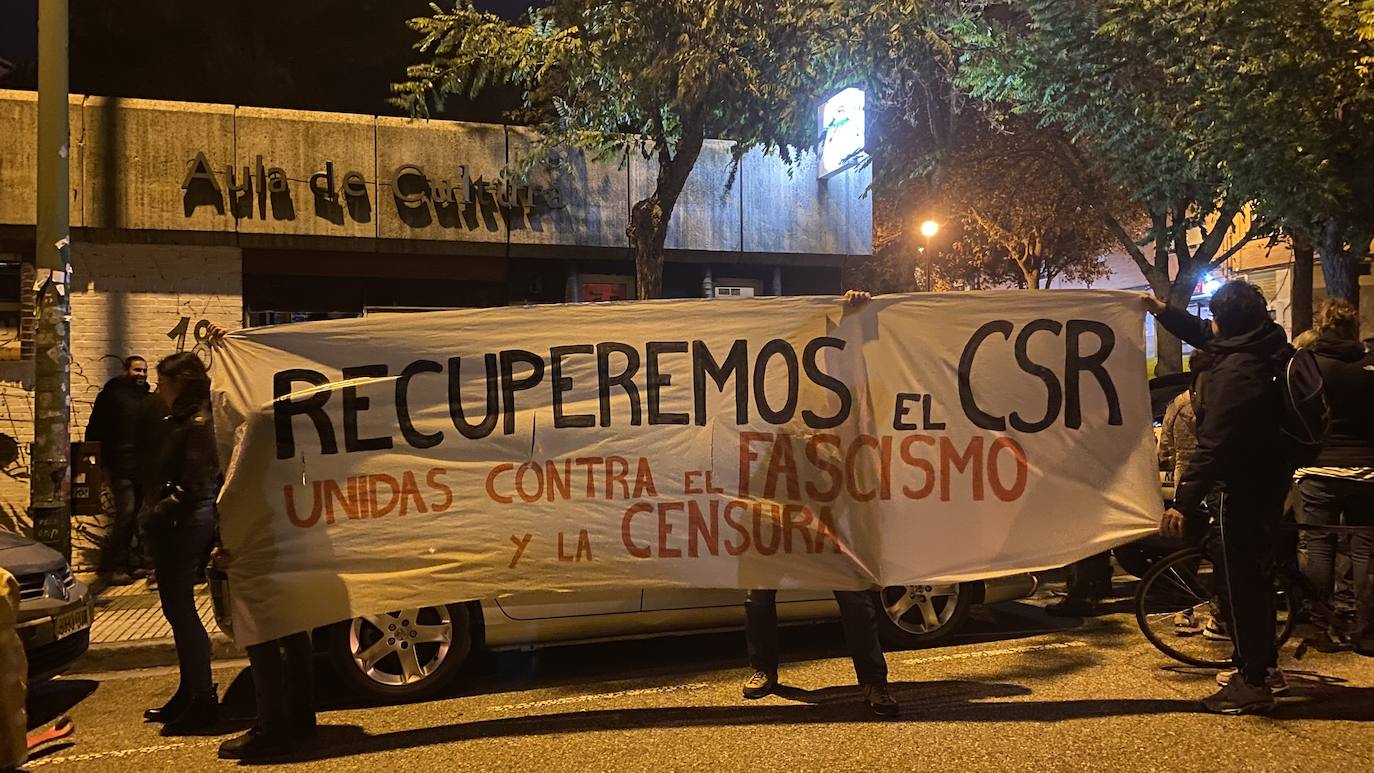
55,608
415,653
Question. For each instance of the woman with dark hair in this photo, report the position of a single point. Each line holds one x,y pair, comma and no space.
1338,488
180,527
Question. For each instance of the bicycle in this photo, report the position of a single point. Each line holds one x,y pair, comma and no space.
1176,604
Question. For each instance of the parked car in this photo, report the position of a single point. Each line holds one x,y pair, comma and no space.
55,608
375,656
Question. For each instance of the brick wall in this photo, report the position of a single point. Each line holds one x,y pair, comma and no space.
126,299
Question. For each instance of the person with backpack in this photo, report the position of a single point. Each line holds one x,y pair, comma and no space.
1240,406
1337,488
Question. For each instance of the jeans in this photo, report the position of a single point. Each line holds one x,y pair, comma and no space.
284,684
858,615
128,499
1337,502
1250,515
177,551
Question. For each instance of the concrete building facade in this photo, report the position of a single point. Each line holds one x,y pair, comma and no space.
188,214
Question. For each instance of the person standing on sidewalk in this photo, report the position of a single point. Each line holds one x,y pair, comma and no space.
1338,487
115,423
180,527
283,682
1239,449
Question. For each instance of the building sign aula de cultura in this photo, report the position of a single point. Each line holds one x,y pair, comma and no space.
412,187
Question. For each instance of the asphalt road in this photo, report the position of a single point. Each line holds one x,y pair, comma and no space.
1017,691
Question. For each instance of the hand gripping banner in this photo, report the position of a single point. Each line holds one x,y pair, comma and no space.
791,443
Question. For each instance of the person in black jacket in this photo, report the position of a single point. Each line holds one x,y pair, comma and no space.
1239,450
1338,487
115,424
180,527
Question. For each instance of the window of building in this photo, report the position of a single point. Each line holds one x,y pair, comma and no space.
605,287
842,128
262,318
11,308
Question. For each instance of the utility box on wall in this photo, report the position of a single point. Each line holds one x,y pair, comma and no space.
88,479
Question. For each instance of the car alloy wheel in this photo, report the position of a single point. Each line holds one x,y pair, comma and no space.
401,648
920,609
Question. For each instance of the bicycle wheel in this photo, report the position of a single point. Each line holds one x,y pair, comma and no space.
1177,609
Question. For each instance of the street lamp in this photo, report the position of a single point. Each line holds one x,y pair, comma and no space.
928,229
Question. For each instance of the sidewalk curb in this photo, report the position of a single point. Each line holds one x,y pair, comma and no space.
150,653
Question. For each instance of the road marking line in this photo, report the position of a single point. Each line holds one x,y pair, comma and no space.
587,698
994,653
119,753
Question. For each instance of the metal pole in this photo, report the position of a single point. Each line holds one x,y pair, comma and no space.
930,267
50,484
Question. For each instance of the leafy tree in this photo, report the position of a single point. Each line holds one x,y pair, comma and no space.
1130,122
1289,111
909,52
654,77
1022,218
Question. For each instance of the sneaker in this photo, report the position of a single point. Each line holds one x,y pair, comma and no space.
1074,607
1240,697
1275,680
880,700
1215,630
1186,624
759,685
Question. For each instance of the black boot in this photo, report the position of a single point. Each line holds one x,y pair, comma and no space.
200,714
174,706
258,744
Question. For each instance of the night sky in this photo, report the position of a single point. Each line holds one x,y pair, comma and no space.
306,54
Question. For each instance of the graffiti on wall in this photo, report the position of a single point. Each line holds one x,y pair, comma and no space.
88,377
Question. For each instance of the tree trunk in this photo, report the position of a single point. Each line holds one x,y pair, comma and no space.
1169,350
1300,299
649,219
1340,268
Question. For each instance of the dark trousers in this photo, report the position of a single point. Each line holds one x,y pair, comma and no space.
1337,502
177,550
858,615
283,684
1091,578
1250,515
128,499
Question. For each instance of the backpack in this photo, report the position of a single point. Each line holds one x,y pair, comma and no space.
1306,415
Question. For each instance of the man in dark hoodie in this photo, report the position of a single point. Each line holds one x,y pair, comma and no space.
1239,451
116,423
1338,487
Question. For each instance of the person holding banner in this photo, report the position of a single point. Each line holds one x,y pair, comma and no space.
858,615
283,681
1239,449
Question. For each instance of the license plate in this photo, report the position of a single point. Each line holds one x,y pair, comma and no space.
71,622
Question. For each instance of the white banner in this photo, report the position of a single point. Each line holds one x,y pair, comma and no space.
792,443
